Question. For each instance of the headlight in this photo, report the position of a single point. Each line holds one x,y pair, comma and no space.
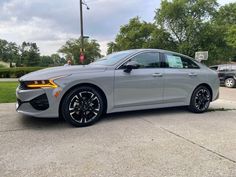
41,84
35,84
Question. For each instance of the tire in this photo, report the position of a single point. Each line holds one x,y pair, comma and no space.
200,100
83,106
230,82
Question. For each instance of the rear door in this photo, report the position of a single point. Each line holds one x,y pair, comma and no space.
181,76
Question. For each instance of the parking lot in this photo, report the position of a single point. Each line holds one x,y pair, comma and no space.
162,142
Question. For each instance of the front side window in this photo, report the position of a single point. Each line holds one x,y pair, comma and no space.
179,62
147,60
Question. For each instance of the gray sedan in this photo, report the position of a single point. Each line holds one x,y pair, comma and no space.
123,81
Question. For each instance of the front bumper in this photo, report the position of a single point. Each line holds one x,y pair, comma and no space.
37,102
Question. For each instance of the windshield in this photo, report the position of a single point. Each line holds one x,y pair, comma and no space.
112,58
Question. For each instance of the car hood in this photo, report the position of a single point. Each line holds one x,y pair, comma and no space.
54,72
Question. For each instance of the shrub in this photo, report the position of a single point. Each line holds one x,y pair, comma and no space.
2,66
17,72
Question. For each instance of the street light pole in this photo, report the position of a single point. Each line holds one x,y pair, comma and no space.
81,27
82,31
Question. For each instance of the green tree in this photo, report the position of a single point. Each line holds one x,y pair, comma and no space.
112,47
186,21
57,60
231,36
161,39
3,46
226,15
12,53
46,61
73,46
9,52
135,34
30,55
225,21
140,34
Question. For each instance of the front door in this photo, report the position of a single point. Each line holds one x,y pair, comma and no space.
142,86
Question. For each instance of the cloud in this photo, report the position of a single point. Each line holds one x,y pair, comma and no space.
51,23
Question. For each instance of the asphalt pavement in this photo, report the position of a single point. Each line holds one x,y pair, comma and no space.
163,142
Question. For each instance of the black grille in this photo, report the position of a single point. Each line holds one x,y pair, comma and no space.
40,102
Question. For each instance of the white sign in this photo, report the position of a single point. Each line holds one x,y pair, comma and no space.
202,55
174,61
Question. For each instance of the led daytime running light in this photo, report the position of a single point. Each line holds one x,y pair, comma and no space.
40,84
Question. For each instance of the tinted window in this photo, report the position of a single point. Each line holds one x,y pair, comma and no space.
175,61
147,60
214,67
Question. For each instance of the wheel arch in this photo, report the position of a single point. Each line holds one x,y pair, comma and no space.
104,97
229,76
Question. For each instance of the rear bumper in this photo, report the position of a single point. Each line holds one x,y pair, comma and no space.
215,89
217,96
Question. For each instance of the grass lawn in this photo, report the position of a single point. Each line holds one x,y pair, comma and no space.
8,92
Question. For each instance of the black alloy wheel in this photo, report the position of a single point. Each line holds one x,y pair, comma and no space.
200,100
83,106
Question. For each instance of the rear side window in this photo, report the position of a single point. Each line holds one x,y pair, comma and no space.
179,62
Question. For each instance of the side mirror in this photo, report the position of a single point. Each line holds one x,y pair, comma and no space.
131,65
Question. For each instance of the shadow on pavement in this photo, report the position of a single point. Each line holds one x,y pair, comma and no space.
143,113
42,123
51,123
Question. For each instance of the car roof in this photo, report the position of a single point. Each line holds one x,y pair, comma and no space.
159,50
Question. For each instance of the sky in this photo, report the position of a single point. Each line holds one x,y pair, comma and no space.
50,23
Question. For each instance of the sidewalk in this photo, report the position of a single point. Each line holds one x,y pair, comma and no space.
223,104
8,79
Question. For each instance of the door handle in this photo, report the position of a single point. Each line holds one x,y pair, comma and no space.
192,74
157,75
